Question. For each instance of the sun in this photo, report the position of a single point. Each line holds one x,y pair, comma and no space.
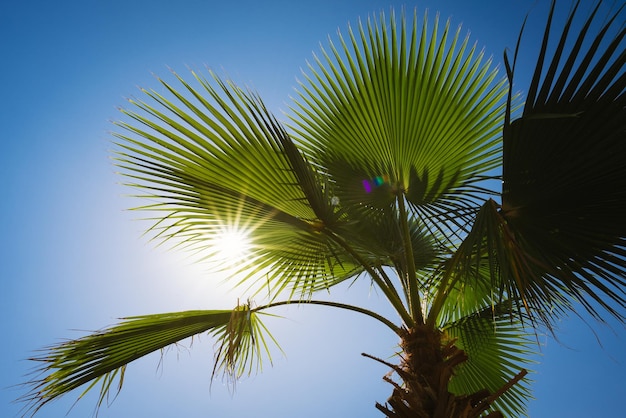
231,245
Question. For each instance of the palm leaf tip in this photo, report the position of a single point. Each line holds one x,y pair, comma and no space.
241,344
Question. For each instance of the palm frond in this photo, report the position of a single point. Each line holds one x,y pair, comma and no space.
243,343
497,349
485,324
102,356
399,111
564,178
492,265
212,157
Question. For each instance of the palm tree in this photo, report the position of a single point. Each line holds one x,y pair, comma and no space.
388,171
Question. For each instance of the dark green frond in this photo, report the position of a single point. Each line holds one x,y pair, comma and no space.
492,264
564,188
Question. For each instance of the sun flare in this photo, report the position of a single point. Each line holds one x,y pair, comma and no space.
232,246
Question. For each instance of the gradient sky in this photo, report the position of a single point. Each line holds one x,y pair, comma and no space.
74,259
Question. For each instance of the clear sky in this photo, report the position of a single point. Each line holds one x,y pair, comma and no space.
73,259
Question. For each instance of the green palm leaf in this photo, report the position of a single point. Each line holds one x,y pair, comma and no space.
400,111
497,350
102,356
490,264
220,161
497,344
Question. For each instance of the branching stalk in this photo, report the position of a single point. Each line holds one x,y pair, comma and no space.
414,298
441,294
371,314
387,288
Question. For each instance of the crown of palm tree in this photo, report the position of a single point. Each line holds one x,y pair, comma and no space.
385,172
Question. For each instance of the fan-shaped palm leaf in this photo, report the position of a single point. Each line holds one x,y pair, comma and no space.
395,111
215,161
498,347
564,189
497,351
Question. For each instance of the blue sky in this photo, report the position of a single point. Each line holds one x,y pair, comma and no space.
74,259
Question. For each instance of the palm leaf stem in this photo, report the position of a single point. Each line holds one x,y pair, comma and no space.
378,317
414,298
384,284
441,293
387,280
446,284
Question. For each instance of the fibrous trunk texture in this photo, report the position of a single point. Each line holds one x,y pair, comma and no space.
427,365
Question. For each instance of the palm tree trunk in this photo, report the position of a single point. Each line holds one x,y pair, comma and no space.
427,365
